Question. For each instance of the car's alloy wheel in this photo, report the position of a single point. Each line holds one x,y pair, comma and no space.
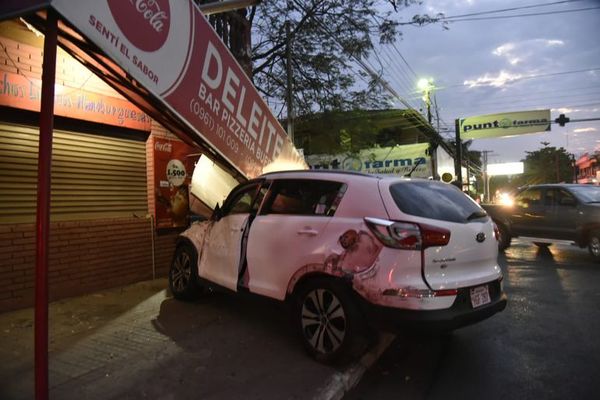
183,275
181,272
331,326
594,245
323,321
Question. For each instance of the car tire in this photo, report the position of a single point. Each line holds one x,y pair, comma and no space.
331,326
594,245
183,274
542,244
505,238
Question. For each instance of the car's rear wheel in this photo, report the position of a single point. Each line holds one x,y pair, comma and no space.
183,275
594,245
505,238
331,326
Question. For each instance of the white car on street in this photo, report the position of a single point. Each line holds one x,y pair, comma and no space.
348,251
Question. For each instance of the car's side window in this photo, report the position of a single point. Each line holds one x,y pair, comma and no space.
529,198
304,197
242,201
559,198
259,198
565,198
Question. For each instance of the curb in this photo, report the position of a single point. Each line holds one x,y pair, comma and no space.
342,382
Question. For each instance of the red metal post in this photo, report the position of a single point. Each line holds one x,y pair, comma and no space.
43,207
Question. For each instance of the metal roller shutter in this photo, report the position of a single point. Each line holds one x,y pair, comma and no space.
92,176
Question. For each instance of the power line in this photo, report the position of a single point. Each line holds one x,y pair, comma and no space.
391,69
494,110
404,59
464,86
537,99
512,9
522,15
465,17
403,80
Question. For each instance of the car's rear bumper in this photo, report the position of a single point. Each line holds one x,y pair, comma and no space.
460,314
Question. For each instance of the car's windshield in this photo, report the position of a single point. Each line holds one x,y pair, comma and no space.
435,200
587,194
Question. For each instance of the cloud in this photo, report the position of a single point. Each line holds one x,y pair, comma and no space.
581,130
500,80
516,52
504,49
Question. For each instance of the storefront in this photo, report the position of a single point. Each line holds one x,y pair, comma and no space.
112,211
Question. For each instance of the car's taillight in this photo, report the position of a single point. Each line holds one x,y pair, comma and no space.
434,236
407,235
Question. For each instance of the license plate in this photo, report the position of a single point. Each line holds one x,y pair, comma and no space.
480,296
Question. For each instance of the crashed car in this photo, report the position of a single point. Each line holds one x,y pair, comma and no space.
347,251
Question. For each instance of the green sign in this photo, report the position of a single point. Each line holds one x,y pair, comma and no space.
505,124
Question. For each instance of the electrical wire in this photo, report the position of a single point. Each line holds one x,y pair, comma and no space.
512,9
523,15
535,76
459,18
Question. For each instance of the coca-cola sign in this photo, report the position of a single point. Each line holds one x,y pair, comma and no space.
146,23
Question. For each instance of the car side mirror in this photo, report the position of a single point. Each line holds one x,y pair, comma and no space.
217,213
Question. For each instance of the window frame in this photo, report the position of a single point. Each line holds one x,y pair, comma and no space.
331,204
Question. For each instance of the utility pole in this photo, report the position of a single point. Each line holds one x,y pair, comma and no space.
486,178
426,85
458,159
557,167
290,88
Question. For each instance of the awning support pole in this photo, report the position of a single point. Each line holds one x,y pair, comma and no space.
43,207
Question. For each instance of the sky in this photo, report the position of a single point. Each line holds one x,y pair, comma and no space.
501,65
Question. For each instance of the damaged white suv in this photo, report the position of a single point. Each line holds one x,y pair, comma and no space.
348,250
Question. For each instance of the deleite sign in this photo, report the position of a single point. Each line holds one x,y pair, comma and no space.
506,124
170,48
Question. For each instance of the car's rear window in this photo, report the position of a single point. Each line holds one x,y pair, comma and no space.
435,200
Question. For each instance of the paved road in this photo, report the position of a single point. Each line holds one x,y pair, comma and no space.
137,342
545,345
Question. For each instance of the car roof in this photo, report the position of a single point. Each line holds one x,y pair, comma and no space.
556,185
328,173
313,173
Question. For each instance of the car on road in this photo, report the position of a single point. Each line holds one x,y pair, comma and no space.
551,212
347,251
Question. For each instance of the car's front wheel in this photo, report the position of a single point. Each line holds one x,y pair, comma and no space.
594,245
331,326
183,275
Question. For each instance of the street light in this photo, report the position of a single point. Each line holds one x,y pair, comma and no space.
426,86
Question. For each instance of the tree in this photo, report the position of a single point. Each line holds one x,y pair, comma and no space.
328,36
546,165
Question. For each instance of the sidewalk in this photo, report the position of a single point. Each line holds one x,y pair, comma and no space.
136,342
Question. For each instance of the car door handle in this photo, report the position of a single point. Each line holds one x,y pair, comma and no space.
308,232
